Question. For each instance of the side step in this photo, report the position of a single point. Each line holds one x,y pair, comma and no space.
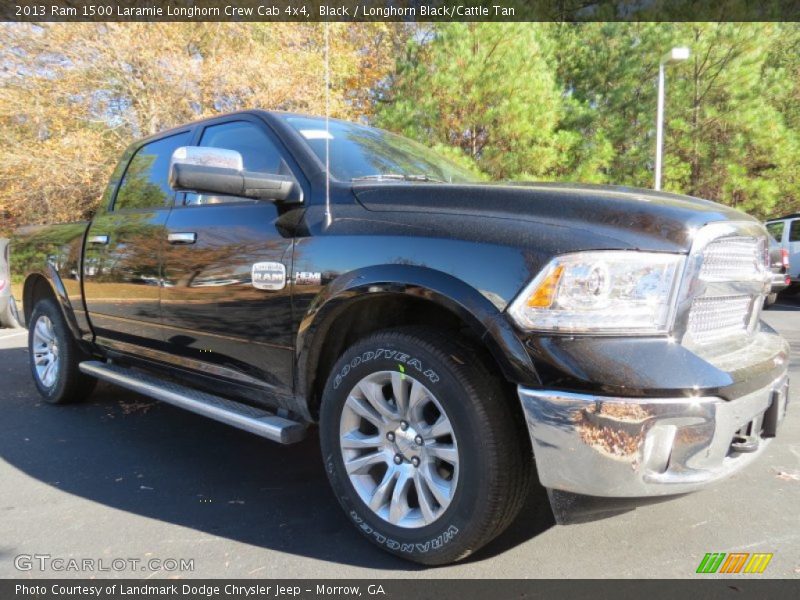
252,419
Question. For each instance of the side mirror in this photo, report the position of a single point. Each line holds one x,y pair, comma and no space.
220,171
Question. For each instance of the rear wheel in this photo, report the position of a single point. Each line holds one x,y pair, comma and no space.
55,355
422,447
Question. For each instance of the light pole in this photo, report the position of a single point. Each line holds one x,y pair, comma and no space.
675,55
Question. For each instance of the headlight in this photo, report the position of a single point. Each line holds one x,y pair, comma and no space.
606,291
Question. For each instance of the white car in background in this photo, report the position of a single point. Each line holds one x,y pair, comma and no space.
8,308
786,230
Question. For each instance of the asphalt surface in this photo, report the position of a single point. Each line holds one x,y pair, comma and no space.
123,477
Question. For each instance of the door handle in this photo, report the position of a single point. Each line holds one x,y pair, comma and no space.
98,239
182,238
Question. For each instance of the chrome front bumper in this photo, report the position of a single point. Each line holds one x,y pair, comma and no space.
636,447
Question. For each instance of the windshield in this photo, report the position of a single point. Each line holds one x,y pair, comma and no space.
358,153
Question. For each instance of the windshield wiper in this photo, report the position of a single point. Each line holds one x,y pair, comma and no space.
397,177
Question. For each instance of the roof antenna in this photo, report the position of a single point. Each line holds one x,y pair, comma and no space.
328,215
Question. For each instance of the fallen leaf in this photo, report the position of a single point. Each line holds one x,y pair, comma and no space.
783,475
134,407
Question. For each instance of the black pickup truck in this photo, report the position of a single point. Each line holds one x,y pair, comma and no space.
277,271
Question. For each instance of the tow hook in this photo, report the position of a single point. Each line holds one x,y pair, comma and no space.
744,443
748,437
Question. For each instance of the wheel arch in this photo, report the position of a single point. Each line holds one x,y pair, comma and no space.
48,284
368,300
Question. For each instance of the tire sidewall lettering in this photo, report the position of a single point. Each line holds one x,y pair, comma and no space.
383,353
435,543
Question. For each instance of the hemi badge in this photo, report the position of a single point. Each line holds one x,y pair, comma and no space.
268,276
307,278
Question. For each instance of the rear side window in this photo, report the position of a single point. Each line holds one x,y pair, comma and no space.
776,230
794,231
146,180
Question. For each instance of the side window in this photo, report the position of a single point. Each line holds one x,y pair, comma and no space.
776,230
146,180
794,231
258,152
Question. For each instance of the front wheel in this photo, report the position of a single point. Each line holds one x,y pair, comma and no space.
422,446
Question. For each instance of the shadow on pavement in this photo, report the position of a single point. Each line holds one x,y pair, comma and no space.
150,459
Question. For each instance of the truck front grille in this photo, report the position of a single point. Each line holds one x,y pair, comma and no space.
726,284
718,317
734,258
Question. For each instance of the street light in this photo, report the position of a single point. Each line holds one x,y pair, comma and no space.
675,55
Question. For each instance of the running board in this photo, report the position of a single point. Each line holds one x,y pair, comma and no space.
252,419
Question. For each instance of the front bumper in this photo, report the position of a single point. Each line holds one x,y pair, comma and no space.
636,447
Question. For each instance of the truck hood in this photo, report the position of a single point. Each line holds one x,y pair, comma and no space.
634,218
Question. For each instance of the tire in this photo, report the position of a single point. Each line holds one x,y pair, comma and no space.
478,461
770,300
51,344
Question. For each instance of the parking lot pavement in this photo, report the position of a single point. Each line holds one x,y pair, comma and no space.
123,477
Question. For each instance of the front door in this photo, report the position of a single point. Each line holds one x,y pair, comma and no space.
226,300
121,268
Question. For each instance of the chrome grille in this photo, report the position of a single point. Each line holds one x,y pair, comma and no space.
718,317
725,284
735,258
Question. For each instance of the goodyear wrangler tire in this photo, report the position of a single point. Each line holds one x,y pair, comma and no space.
422,447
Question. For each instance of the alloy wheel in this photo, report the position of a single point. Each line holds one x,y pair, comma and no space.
45,351
399,449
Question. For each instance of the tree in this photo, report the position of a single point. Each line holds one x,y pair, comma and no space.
73,95
608,73
729,130
725,142
552,101
486,89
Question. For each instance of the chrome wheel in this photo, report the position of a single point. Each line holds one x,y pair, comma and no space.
399,449
45,351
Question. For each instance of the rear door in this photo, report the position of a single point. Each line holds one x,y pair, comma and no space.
124,245
226,301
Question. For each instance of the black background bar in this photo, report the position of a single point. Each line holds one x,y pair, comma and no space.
750,586
399,10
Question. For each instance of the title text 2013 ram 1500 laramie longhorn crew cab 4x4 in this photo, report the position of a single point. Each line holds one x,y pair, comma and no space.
276,270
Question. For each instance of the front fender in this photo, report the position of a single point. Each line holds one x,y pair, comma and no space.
472,307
